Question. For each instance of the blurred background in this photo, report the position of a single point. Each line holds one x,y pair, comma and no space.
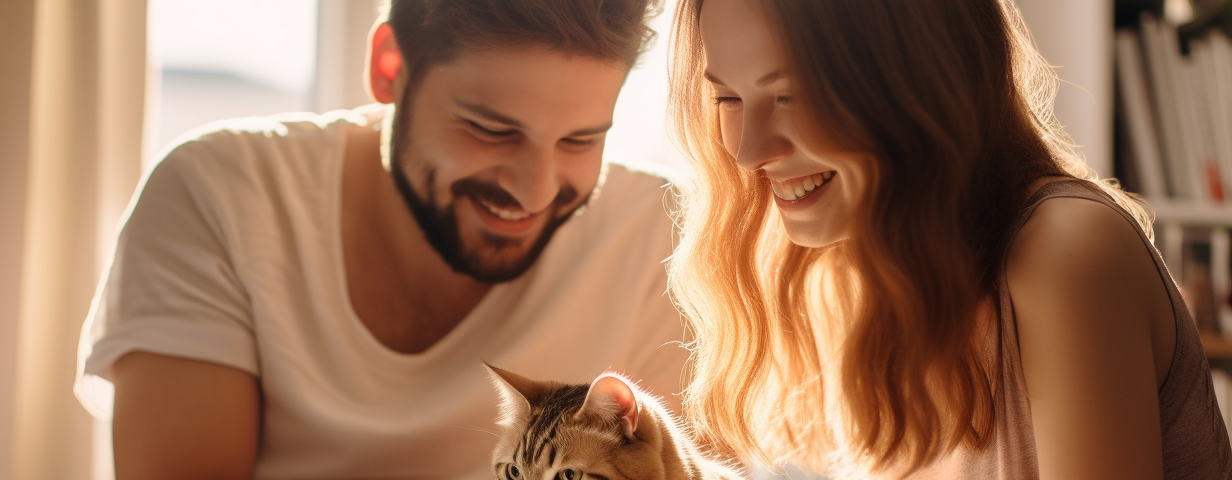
92,90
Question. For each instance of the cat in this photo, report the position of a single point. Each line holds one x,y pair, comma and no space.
608,430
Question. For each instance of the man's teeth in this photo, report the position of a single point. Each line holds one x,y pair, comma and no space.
507,215
511,216
798,188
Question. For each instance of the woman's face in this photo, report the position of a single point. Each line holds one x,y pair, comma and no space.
816,185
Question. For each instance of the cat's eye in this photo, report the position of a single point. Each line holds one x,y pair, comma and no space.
567,474
515,472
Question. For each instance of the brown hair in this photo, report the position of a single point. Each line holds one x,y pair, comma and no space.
876,349
434,31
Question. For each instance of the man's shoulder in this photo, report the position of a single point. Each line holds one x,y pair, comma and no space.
246,168
238,145
628,186
628,197
637,174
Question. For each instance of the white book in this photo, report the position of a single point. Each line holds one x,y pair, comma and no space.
1158,38
1139,115
1220,77
1187,116
1195,120
1217,124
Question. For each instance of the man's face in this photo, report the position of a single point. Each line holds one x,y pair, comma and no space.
500,147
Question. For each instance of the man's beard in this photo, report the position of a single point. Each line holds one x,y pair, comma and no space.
441,228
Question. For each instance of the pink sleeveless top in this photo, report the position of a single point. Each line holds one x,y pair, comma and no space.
1195,441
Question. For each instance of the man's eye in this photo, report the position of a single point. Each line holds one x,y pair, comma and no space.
581,142
489,132
782,99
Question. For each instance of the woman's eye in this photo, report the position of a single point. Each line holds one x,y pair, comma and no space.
514,472
567,474
489,132
728,102
782,99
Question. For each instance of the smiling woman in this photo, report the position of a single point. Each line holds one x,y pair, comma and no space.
897,254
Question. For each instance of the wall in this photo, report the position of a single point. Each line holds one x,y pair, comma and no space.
1076,37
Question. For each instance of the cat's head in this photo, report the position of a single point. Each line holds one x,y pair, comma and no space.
554,431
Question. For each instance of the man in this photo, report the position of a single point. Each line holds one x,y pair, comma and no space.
311,297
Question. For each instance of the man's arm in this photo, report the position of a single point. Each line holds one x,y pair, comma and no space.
181,419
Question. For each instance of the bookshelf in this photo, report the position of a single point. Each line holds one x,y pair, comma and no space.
1173,144
1216,346
1208,215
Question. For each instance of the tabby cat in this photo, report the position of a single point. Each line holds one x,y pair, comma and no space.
608,430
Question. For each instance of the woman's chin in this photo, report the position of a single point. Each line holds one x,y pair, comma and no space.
811,237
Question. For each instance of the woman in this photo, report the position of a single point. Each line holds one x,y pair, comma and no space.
896,265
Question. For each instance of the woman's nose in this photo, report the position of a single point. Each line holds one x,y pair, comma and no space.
762,142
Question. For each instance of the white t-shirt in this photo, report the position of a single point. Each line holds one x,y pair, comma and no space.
231,253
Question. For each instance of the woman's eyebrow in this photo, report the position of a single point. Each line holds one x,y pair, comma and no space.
761,82
770,78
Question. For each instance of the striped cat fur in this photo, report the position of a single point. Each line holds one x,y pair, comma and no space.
608,430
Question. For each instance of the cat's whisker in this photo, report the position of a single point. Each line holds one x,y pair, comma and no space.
491,432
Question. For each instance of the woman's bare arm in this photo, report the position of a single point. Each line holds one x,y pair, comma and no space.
1089,302
178,419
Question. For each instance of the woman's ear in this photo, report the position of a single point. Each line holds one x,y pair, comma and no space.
384,63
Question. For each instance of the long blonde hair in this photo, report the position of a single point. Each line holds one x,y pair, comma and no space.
877,350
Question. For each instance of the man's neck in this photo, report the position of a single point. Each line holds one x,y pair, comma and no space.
400,287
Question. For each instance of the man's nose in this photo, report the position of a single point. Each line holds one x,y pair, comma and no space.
761,141
532,178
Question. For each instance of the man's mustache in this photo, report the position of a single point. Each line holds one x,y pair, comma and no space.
496,196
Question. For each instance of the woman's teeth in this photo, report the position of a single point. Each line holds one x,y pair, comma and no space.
506,215
800,187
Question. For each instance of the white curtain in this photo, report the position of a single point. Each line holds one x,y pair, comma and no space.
72,101
342,43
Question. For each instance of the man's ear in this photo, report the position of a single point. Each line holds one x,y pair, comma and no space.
384,63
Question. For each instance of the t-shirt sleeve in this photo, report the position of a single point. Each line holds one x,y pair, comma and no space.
171,287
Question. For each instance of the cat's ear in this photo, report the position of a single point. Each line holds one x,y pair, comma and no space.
516,393
611,396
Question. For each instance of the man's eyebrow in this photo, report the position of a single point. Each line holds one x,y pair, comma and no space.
488,113
761,82
592,130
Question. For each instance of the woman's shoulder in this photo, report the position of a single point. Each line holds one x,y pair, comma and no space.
1064,226
1072,225
1083,246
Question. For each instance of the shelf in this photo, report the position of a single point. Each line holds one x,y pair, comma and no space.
1211,215
1216,345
